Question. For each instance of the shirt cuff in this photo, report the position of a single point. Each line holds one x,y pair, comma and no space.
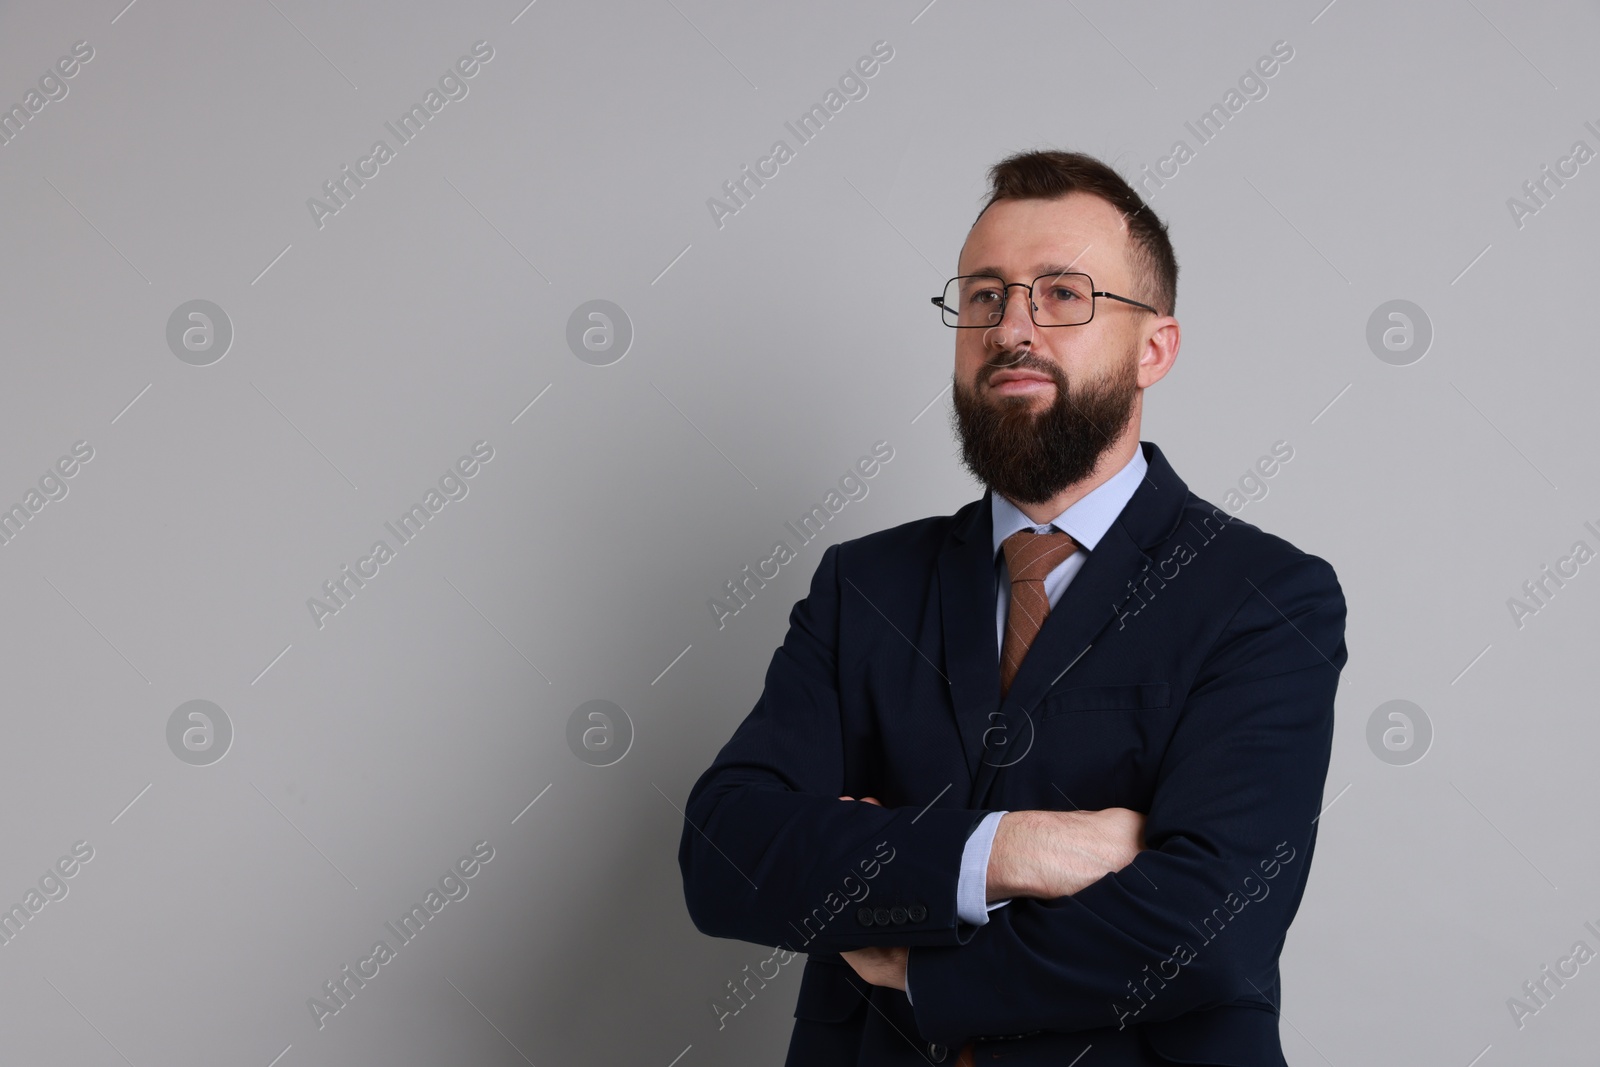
973,884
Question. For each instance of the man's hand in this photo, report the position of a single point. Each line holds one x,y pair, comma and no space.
1043,854
1049,854
885,966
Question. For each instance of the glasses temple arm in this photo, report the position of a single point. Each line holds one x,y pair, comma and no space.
1125,300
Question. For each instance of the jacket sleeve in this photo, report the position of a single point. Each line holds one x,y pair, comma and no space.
769,854
1200,916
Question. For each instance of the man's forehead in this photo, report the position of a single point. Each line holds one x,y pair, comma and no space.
1035,237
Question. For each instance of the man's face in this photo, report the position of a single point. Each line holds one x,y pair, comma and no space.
1037,406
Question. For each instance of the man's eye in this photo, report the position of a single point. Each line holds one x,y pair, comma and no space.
984,296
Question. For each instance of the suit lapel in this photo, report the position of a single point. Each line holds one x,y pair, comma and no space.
966,610
1069,631
1086,608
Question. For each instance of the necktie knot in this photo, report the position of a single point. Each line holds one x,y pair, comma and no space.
1030,556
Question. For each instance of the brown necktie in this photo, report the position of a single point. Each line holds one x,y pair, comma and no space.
1029,557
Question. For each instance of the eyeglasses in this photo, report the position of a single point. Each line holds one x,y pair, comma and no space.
978,301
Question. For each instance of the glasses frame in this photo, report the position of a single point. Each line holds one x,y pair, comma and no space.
1094,294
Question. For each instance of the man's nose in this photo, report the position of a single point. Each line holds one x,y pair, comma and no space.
1016,321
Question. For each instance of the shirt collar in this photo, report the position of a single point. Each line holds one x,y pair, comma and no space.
1087,520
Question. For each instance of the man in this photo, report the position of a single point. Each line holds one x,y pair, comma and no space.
1038,780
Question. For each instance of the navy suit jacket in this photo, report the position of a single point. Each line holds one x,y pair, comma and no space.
1188,672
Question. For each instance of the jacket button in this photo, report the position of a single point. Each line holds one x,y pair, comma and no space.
881,916
916,913
864,916
897,915
937,1052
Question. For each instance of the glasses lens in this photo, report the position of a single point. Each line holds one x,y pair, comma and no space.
1063,299
974,300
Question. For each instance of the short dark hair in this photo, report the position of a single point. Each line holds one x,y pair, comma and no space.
1048,175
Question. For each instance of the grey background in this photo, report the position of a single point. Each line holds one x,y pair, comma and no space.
767,355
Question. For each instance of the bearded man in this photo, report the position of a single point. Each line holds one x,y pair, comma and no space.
1037,782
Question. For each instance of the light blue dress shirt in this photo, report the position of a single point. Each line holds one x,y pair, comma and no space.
1085,522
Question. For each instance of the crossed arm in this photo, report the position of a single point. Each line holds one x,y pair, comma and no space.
771,856
1038,854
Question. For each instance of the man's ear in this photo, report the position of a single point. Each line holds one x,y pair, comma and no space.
1159,351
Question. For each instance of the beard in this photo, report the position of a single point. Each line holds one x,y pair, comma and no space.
1027,457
